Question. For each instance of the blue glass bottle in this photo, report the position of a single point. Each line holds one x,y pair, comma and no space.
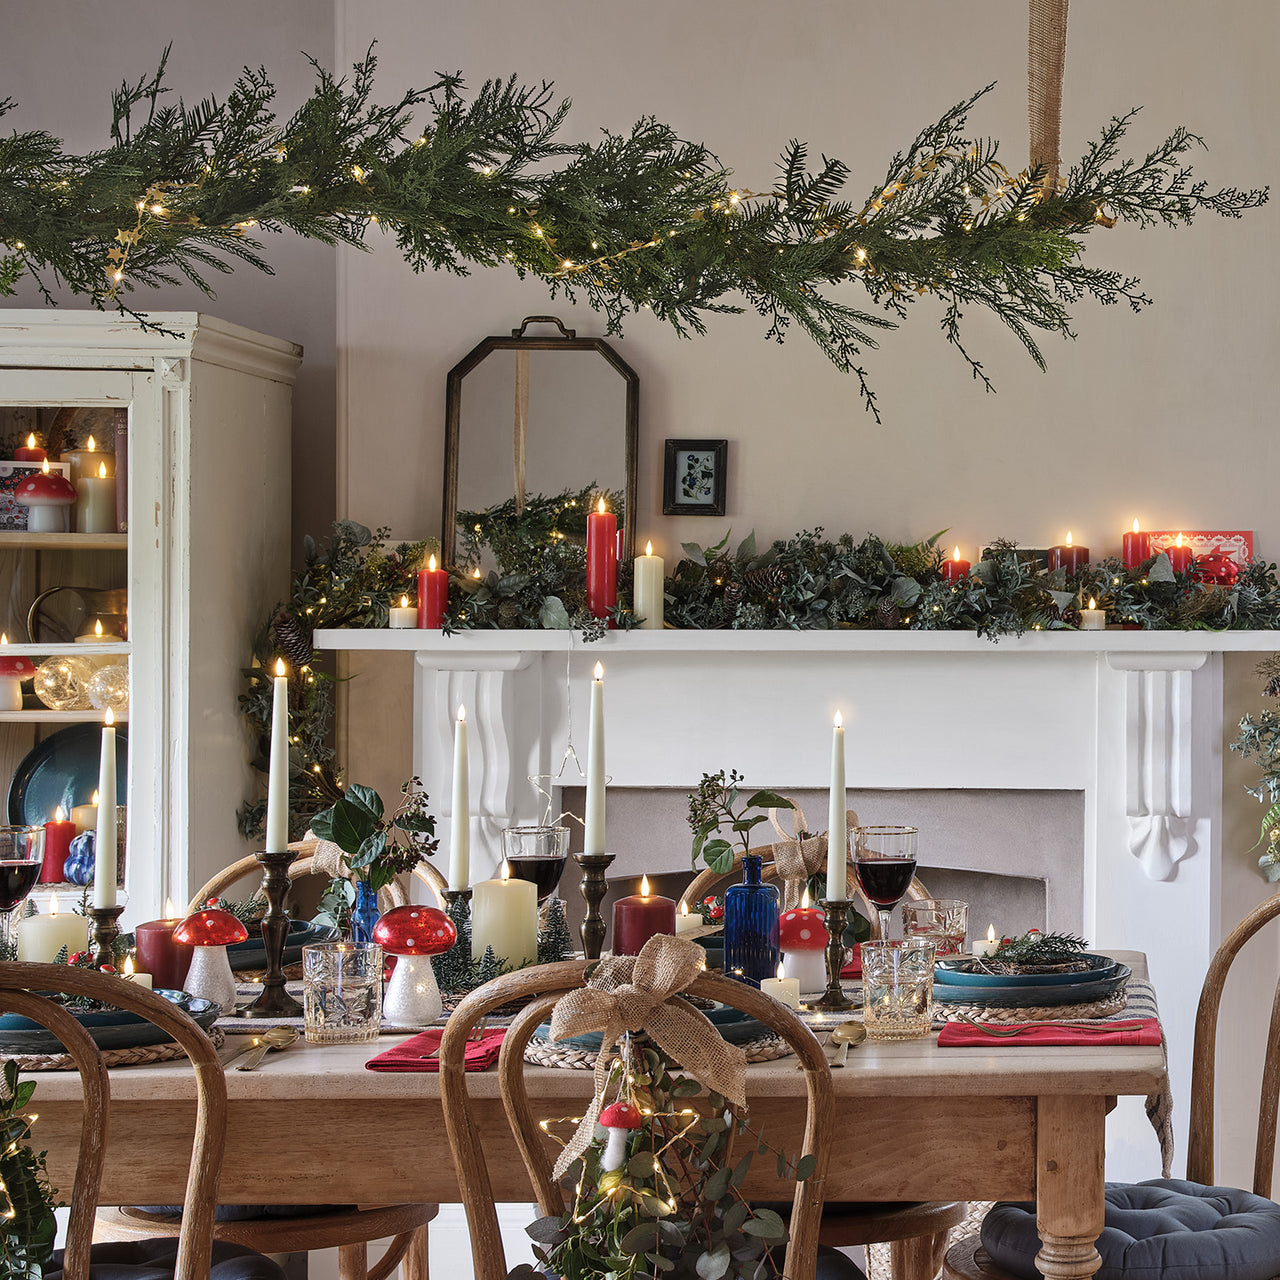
751,926
365,913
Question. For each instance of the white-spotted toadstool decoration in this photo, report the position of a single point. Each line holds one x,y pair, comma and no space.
413,934
13,671
211,932
621,1119
48,497
802,939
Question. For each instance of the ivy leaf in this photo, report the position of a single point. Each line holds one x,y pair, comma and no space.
348,824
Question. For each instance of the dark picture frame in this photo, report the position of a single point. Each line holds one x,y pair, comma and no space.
694,479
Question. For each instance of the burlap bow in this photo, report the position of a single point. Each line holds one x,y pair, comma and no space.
797,856
635,993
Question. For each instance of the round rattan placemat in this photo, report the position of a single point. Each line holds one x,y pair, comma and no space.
545,1053
138,1057
1107,1008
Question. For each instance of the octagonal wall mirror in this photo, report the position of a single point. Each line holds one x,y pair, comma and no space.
538,414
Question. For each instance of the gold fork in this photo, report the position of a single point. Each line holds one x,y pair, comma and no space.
477,1033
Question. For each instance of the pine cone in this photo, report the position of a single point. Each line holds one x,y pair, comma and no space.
508,615
888,615
1053,612
1072,617
1272,688
733,595
293,642
768,579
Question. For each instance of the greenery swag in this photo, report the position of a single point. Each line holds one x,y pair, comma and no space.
636,221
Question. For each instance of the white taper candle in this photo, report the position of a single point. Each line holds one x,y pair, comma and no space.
837,821
593,835
104,847
460,824
277,840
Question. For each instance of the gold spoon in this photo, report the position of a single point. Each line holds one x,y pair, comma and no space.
846,1034
276,1038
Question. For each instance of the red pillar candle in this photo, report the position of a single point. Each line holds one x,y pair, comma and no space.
30,452
955,568
1179,556
58,835
433,595
602,562
159,955
637,918
1068,557
1137,547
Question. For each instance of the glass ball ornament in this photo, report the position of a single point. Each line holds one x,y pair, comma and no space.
109,687
62,683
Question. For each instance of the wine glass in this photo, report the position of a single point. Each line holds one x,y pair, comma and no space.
536,854
21,857
885,861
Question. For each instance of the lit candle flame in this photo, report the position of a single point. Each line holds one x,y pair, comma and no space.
102,471
95,798
782,971
1092,603
169,909
1068,537
97,628
44,466
92,445
280,668
955,555
991,933
462,713
644,886
53,903
476,574
1135,524
108,719
404,602
600,508
804,899
431,563
4,637
839,722
648,548
599,671
506,870
31,440
59,815
1178,540
128,966
684,908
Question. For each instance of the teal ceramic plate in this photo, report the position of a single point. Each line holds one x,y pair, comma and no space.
1019,997
62,769
953,973
252,952
110,1028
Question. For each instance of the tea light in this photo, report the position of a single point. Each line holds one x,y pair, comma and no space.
130,974
990,947
782,989
404,615
1093,618
685,922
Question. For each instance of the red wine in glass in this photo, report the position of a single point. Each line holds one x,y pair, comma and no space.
543,872
17,879
884,859
885,881
536,854
21,856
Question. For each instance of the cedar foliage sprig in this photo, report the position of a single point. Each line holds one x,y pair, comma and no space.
643,220
1035,947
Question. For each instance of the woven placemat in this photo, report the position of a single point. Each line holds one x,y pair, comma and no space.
138,1057
1107,1008
545,1053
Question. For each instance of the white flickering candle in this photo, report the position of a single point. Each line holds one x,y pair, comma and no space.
96,501
1093,618
686,921
990,947
130,974
85,816
837,820
783,989
41,937
104,847
504,916
593,835
278,778
646,591
403,615
460,827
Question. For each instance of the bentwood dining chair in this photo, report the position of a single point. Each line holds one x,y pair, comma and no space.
1169,1227
192,1253
538,988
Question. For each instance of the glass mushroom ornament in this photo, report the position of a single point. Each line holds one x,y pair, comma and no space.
413,934
48,497
211,932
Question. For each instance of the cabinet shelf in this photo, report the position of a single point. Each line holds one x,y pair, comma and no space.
59,717
64,541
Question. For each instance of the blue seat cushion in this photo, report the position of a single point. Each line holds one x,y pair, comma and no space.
156,1259
1164,1229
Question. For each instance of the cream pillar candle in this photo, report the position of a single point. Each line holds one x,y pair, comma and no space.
85,816
104,845
783,989
460,817
405,615
837,819
646,591
89,461
504,916
96,502
593,833
277,837
40,938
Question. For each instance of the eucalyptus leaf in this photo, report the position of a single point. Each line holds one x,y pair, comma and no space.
641,1165
694,552
737,1214
548,1230
712,1265
553,615
805,1166
740,1170
905,591
717,1185
640,1239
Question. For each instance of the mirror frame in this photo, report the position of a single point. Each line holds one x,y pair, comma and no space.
569,341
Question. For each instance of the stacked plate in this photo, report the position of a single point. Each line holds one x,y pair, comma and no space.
961,980
109,1028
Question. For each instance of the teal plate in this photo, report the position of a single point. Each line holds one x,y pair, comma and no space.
1022,997
734,1026
252,952
951,972
109,1028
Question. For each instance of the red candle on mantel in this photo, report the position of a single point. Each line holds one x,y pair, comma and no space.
159,955
638,918
1137,547
955,568
433,595
1179,556
602,562
30,452
1068,557
58,835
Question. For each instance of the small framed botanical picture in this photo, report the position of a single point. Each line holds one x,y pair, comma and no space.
693,478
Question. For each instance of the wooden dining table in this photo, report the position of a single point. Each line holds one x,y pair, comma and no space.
914,1122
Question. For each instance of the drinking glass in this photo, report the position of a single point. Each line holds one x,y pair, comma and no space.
342,991
21,857
885,861
536,854
897,989
942,921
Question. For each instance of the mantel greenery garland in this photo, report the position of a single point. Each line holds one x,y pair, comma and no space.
643,220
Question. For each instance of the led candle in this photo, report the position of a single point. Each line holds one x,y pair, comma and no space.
602,561
136,976
504,916
89,461
84,817
96,502
1137,547
637,918
404,615
30,452
58,835
433,595
277,839
41,937
686,922
1179,556
1068,557
955,568
593,826
837,819
104,845
166,960
782,989
647,597
1093,618
460,826
990,946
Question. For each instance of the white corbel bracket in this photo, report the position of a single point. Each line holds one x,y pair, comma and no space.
1157,784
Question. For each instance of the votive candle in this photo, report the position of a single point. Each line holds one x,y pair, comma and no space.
1093,618
1180,555
403,615
782,989
30,452
955,568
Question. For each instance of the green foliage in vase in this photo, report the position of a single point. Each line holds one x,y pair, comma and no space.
715,807
675,1206
1259,743
636,220
27,1225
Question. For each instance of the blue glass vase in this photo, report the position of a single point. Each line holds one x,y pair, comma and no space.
751,926
364,915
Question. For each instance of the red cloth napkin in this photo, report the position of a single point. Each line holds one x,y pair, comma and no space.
407,1056
854,968
960,1035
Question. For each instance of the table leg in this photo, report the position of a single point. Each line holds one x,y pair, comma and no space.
1069,1185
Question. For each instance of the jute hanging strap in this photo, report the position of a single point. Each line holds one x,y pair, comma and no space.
640,993
797,856
1046,61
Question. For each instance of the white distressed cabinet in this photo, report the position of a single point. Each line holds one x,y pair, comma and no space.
204,559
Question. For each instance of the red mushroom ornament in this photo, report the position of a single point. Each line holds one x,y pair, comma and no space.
621,1119
413,934
48,497
13,671
211,932
802,939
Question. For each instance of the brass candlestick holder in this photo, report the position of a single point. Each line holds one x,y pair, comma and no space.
274,1001
834,999
594,886
104,931
453,896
